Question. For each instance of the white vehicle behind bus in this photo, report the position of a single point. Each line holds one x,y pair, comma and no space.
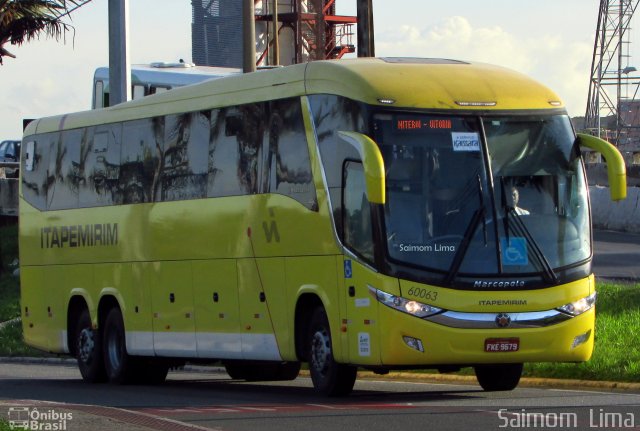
154,78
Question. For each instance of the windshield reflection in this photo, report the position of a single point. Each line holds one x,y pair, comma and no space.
443,212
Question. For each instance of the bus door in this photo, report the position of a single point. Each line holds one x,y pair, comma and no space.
361,310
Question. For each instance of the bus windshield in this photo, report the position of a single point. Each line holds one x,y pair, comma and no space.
479,196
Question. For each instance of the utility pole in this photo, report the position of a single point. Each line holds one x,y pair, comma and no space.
119,63
248,37
276,39
366,41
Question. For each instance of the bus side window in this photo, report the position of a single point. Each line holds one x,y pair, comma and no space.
138,91
330,115
184,170
64,170
98,95
34,176
100,158
234,151
288,167
140,159
158,90
356,211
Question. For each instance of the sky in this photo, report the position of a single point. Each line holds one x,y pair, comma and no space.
549,40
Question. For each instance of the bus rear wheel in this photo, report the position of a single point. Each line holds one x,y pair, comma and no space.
499,377
89,350
120,367
329,377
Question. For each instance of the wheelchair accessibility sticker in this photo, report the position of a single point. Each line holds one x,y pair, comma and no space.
514,251
348,273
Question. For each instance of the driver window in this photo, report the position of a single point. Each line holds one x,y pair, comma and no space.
357,211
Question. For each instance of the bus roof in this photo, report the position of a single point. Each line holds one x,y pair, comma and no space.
437,84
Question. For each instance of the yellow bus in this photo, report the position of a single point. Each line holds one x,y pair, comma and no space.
382,214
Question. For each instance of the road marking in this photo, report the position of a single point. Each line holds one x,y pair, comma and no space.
258,409
281,408
325,406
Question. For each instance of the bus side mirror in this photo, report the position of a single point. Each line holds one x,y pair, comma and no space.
616,170
372,162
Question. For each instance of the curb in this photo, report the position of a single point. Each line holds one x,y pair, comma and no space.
9,322
37,361
528,382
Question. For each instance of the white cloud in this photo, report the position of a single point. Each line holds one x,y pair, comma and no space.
52,78
562,65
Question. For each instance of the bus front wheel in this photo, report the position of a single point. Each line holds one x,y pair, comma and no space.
89,350
118,364
328,376
499,377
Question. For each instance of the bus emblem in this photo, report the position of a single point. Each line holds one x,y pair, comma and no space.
503,320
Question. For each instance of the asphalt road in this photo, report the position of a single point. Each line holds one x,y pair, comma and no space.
201,400
616,255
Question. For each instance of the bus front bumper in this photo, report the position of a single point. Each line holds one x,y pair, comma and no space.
411,341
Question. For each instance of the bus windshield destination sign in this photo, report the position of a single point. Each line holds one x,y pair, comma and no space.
408,124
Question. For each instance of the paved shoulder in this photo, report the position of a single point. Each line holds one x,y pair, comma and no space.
616,255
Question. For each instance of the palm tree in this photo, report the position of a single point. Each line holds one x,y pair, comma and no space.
25,20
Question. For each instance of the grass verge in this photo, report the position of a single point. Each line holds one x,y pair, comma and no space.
4,425
11,341
9,285
616,355
9,297
12,344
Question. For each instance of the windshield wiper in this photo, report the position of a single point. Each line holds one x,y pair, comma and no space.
520,229
479,214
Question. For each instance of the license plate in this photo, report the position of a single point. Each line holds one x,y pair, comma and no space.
493,345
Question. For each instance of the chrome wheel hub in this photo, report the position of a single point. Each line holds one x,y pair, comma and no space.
86,345
114,350
320,351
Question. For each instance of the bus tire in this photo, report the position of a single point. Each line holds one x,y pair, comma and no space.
89,350
499,377
120,367
329,377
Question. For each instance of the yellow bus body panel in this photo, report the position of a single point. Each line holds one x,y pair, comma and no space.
375,331
495,301
445,345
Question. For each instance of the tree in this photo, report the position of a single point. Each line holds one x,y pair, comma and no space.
24,20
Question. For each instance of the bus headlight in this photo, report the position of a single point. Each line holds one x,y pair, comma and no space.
414,308
580,306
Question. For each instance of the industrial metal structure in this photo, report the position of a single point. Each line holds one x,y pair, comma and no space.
612,108
306,30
